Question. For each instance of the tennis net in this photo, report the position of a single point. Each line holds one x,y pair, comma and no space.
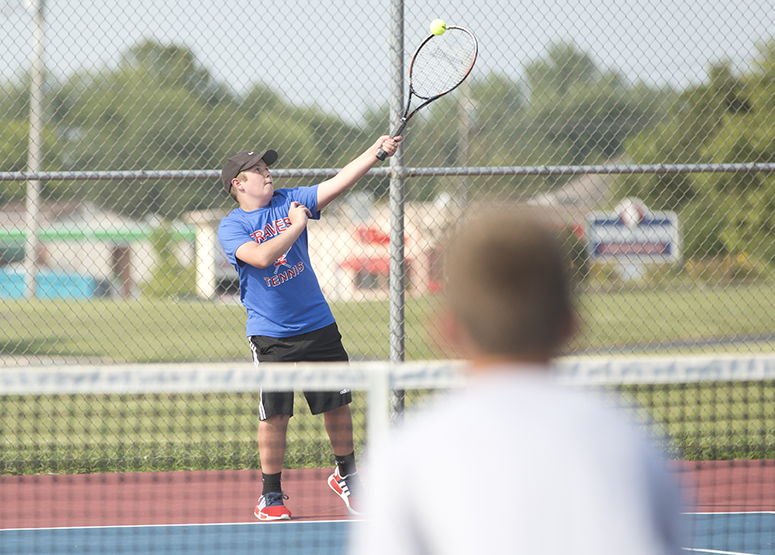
162,457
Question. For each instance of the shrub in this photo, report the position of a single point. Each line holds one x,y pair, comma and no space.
170,277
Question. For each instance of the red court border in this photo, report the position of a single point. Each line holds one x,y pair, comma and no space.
147,498
728,486
212,496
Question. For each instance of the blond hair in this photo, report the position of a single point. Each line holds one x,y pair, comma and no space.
508,284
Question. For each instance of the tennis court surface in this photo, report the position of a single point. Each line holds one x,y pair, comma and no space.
161,458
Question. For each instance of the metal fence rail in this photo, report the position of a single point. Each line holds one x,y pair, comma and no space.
612,169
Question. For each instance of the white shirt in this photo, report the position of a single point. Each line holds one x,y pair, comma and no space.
515,463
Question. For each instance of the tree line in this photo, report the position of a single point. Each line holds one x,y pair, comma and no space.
159,108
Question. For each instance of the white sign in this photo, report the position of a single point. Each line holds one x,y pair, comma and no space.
634,235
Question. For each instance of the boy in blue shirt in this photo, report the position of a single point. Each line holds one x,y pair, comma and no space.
288,319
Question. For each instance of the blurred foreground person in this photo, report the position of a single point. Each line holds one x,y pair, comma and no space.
515,462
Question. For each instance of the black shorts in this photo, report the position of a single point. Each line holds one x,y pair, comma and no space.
323,345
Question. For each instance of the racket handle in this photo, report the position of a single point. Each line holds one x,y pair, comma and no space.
381,154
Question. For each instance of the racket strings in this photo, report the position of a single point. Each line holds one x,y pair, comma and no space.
442,63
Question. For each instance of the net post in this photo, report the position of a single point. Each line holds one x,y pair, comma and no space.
378,422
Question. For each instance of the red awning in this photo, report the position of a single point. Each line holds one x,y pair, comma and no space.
379,265
372,236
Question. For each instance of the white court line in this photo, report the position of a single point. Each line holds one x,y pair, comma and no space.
287,522
698,550
283,522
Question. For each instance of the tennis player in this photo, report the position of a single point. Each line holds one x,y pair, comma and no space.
288,319
514,462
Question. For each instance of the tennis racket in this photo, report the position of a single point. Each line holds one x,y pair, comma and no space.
439,65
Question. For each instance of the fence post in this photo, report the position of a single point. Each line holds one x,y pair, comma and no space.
34,148
397,270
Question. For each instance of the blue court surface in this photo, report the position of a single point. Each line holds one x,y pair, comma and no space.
714,533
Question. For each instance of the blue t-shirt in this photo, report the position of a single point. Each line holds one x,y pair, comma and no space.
284,299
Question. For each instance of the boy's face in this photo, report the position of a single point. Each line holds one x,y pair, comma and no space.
258,182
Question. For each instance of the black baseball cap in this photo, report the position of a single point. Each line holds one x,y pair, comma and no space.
244,160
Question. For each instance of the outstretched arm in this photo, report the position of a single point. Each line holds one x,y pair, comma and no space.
347,177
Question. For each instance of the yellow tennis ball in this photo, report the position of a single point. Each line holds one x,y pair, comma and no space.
438,26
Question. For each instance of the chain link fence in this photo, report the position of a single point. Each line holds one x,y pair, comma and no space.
645,132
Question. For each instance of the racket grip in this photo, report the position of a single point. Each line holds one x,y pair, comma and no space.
381,154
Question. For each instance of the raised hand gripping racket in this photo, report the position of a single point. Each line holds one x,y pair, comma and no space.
439,65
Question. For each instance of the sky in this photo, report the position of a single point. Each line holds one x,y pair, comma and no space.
336,54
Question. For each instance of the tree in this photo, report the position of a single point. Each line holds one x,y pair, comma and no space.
170,277
564,68
568,112
729,119
590,110
14,137
174,66
161,110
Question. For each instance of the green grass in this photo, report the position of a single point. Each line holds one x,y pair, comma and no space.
171,331
713,420
633,321
126,433
666,316
164,432
123,331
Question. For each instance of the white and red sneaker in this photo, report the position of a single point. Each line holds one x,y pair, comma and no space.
348,488
272,507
